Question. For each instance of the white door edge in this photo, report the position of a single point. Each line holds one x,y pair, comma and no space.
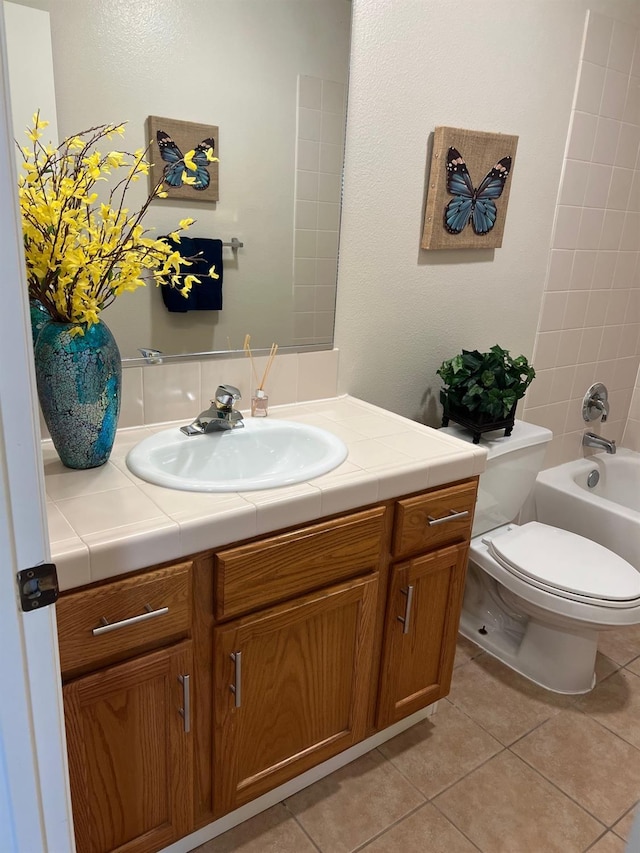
34,790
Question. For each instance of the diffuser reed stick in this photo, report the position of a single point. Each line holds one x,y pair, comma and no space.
272,355
247,350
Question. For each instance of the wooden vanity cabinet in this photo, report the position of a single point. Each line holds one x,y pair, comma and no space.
425,599
130,753
128,710
291,689
292,679
296,646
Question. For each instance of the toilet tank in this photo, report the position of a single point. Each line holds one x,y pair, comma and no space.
513,464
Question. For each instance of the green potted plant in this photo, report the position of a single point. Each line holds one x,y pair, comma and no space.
481,389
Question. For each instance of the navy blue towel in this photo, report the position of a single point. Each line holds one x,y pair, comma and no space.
206,296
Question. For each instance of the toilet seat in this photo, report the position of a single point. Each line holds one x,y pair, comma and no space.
565,564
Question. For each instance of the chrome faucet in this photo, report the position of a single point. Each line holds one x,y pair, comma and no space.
590,439
220,416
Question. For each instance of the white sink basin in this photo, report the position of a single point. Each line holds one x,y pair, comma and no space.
261,455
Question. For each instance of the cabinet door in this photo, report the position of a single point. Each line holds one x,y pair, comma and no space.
292,687
423,613
130,753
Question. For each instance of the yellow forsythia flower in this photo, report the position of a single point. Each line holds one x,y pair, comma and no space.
82,252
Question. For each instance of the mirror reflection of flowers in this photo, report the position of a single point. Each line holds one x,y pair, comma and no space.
84,248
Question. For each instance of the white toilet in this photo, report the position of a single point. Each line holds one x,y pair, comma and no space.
537,596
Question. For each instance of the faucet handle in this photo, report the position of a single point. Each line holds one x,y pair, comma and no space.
226,395
595,403
603,407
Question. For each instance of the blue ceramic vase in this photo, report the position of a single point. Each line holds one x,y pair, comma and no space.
39,316
79,379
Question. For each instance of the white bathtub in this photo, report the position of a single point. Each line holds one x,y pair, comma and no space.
608,513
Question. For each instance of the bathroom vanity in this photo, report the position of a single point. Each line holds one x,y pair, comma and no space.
196,685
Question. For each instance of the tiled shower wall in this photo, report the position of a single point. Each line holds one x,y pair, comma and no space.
589,326
631,437
320,145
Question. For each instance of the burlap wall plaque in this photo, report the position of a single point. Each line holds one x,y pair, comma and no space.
468,192
171,139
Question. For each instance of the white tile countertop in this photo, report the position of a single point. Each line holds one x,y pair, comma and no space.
106,521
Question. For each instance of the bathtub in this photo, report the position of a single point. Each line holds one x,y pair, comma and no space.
608,513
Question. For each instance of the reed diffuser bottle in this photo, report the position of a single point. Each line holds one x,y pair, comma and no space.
259,404
260,398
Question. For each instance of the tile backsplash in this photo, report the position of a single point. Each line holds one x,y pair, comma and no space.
166,392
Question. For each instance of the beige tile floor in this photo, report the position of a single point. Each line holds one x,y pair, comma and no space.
502,767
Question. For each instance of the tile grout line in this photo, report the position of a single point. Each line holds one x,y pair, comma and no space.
564,793
571,706
597,841
505,745
448,787
395,823
286,805
610,731
462,833
630,809
430,800
504,748
586,714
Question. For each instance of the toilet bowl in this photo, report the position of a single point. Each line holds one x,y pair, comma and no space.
536,596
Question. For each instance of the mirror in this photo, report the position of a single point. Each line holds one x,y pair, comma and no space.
272,75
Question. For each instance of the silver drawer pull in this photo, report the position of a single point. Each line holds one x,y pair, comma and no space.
185,711
150,613
236,687
407,609
453,516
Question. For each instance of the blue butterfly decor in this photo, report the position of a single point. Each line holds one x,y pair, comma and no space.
177,172
473,205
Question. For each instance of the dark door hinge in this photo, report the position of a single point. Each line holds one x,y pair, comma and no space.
38,586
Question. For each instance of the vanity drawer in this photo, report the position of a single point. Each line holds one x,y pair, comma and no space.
437,518
142,612
282,567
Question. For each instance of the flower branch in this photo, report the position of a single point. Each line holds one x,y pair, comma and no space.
82,253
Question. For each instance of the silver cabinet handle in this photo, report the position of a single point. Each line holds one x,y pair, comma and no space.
236,687
453,516
106,626
185,711
407,609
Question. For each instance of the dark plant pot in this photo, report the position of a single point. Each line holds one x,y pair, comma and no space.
476,422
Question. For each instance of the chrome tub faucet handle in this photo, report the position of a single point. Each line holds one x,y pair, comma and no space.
596,403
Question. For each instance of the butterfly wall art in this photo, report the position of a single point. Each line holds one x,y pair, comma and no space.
184,156
468,190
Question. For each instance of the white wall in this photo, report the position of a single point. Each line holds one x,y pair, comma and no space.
231,63
31,83
494,66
